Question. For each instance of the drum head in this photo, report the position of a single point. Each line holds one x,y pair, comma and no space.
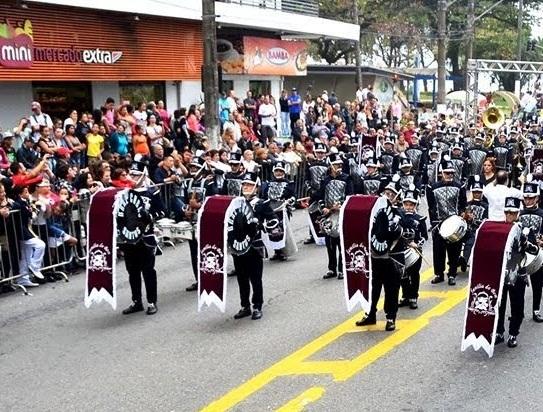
241,230
130,217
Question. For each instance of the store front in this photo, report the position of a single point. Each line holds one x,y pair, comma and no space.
90,56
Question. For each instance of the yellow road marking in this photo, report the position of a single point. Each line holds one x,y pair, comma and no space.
297,363
301,401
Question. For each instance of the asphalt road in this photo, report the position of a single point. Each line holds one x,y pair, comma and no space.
56,355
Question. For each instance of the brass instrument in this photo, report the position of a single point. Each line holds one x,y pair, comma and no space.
493,119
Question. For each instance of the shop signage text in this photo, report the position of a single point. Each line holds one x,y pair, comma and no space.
17,50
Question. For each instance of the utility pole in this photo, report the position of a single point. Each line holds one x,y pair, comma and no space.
357,51
210,75
441,50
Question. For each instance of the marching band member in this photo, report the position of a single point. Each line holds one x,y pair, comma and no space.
430,175
417,154
477,155
531,217
387,258
354,166
515,280
232,179
415,234
446,198
139,257
333,190
459,161
503,153
373,181
248,256
389,160
280,192
200,184
314,174
407,177
476,211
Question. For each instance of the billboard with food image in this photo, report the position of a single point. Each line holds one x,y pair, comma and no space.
275,57
258,55
230,54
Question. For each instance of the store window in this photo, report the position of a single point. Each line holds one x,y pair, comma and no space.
58,99
135,93
259,87
227,85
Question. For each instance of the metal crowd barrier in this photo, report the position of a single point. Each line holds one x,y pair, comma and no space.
59,256
9,249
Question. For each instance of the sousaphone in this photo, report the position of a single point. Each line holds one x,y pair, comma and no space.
493,119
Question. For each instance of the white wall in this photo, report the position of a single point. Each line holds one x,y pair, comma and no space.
15,100
241,85
173,95
191,93
102,90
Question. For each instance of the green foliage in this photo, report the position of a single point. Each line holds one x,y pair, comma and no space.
397,30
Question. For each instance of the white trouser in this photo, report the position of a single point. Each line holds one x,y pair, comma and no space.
32,251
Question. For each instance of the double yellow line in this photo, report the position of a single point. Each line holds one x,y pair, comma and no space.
297,363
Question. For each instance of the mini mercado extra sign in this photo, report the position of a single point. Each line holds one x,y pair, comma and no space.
18,51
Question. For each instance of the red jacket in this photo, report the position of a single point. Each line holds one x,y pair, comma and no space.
24,179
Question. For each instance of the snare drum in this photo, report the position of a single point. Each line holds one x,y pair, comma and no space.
533,262
411,257
164,227
182,230
453,229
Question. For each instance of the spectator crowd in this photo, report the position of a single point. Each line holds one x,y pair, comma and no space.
48,166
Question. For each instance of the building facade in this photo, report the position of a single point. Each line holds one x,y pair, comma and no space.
72,54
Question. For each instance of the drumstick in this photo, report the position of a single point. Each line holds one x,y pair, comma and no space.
303,199
420,254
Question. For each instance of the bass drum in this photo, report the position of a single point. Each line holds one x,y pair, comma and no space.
242,229
411,257
533,262
453,229
132,217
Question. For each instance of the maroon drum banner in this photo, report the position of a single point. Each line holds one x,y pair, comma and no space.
356,219
491,250
212,250
101,248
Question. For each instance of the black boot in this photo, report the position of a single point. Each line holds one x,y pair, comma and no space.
499,339
192,287
512,341
403,303
452,281
340,275
133,308
437,279
368,320
257,314
537,317
329,275
243,313
413,304
391,325
152,309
